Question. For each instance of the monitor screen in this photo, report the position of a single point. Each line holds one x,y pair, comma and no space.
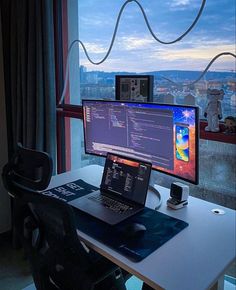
163,134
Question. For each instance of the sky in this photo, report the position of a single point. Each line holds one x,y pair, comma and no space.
135,50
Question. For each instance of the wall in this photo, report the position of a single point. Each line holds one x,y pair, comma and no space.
5,211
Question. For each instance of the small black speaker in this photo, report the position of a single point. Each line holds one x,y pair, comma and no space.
135,88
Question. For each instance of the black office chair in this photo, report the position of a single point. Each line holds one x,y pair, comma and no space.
27,168
48,234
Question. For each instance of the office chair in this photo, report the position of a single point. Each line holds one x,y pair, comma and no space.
48,234
27,168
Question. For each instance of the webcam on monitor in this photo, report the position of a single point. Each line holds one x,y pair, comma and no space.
135,88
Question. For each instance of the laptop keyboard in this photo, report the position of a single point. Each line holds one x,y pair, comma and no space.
110,203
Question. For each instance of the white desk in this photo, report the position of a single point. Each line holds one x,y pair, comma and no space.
194,259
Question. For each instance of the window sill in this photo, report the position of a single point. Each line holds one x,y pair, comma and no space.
219,136
71,111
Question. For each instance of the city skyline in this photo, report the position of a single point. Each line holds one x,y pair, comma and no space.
101,85
135,50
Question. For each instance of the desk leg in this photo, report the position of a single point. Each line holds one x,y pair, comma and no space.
219,285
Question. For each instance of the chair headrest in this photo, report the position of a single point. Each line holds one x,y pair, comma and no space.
28,168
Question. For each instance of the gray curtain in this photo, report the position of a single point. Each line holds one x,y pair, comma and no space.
30,73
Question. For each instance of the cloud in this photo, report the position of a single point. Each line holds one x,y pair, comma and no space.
135,43
175,3
179,4
95,21
193,54
95,48
194,58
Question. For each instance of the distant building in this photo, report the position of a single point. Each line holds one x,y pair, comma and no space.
92,77
169,98
232,85
83,74
189,99
233,100
110,81
215,84
201,85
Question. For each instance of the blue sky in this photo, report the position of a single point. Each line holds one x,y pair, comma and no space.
135,49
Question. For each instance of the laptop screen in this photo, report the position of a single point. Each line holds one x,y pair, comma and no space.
126,177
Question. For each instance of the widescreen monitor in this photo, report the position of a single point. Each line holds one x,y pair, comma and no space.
165,135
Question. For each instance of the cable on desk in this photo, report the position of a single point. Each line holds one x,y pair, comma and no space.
157,193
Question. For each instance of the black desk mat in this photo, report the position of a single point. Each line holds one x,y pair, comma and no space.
71,190
160,227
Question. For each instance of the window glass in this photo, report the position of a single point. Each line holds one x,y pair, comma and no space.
136,51
76,155
217,171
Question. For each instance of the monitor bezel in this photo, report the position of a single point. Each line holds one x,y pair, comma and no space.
196,108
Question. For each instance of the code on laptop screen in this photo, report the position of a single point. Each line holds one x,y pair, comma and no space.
126,177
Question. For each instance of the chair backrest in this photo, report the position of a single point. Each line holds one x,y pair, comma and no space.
55,220
28,168
24,175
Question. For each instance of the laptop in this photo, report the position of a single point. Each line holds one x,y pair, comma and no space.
122,192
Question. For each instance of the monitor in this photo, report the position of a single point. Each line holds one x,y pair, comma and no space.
164,134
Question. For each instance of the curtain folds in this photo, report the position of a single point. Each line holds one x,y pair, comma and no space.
29,63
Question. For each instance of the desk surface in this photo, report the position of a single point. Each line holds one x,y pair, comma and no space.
194,259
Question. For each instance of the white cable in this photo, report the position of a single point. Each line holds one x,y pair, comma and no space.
114,36
158,195
204,72
181,36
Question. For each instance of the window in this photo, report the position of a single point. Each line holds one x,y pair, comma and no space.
136,51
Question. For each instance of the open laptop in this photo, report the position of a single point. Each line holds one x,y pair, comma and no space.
122,193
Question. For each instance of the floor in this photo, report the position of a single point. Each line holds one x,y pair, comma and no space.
15,272
14,269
